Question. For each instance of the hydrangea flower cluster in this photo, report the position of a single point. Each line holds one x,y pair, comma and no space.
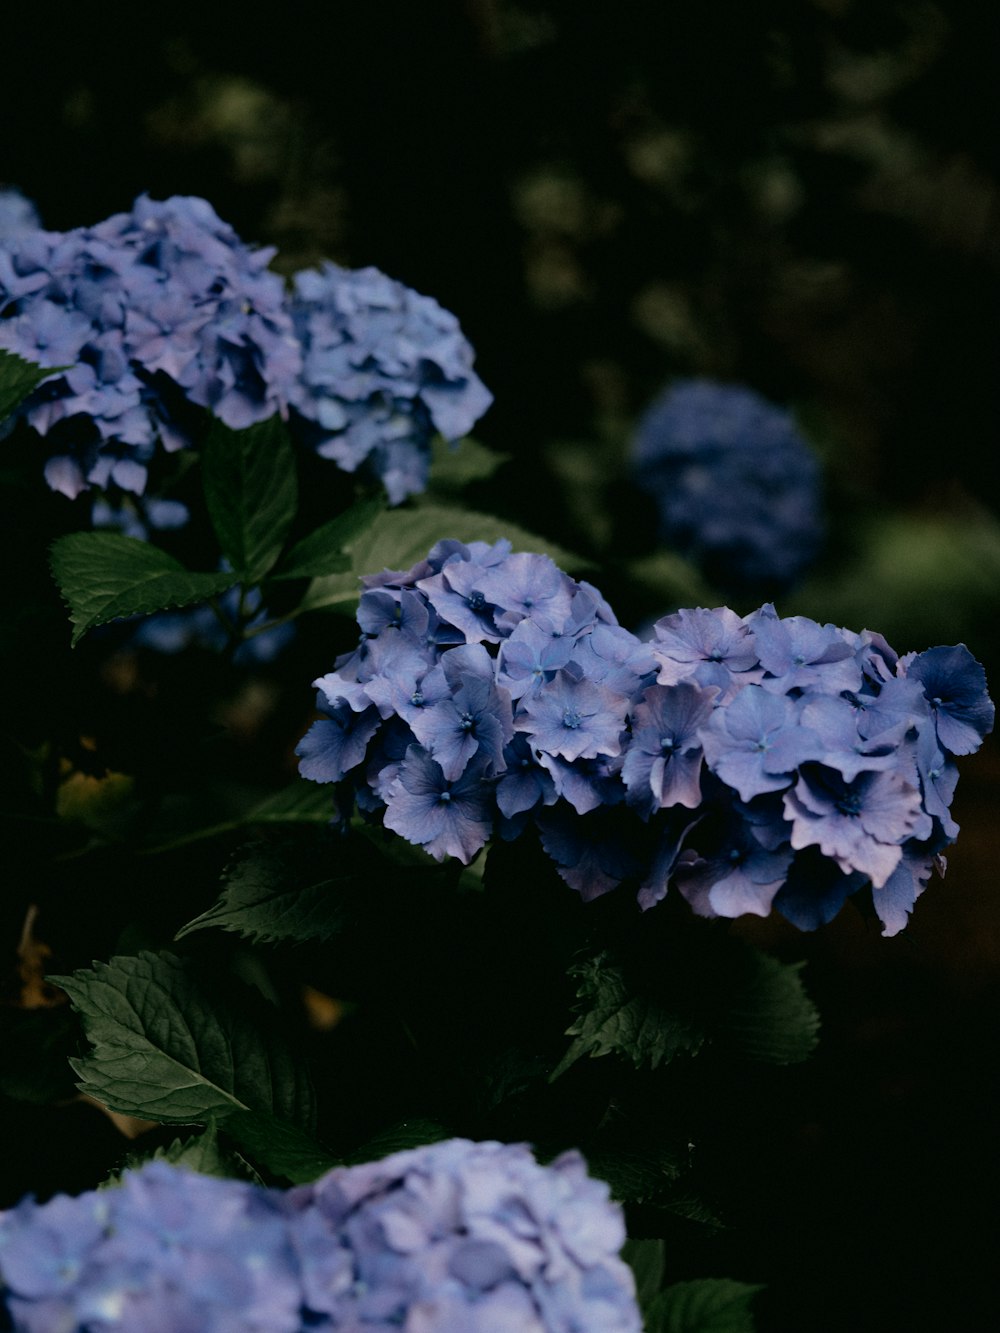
735,485
163,302
457,1237
749,761
384,368
165,306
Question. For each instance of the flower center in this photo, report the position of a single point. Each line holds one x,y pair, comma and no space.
571,719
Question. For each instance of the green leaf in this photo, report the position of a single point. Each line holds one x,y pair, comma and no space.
646,1259
708,1305
413,1133
399,538
322,552
282,1148
201,1152
613,1017
636,1174
104,576
583,470
251,490
272,894
18,378
455,466
771,1018
667,581
301,802
165,1050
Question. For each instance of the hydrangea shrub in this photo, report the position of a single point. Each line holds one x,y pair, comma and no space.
733,763
749,761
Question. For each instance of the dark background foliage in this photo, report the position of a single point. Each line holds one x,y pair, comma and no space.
799,195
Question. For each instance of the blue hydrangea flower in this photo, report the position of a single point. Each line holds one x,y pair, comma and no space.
384,369
663,764
18,215
748,761
735,485
955,684
470,1237
447,817
736,869
163,301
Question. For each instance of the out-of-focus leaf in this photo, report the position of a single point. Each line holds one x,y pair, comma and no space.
400,537
269,896
104,576
282,1148
772,1020
164,1050
708,1305
322,552
668,581
455,466
301,802
646,1259
412,1133
18,378
636,1173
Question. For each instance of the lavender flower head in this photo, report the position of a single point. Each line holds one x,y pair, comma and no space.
149,309
457,1237
469,1236
735,485
748,762
384,369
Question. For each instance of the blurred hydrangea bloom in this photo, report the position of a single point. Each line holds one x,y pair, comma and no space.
736,487
457,1237
17,214
199,627
147,308
384,368
750,762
